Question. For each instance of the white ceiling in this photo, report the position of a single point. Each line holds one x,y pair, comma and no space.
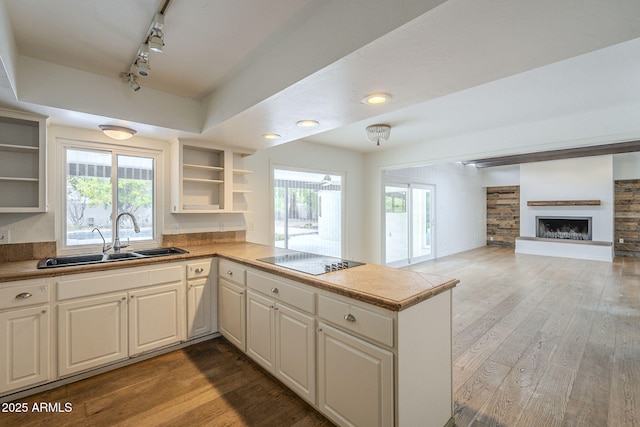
233,70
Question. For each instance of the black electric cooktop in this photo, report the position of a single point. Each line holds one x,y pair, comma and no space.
310,263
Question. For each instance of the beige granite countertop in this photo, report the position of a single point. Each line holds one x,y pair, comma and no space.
386,287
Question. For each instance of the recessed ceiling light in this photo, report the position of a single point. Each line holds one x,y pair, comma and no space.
117,132
376,98
307,123
271,136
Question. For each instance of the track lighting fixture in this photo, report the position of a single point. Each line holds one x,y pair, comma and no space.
154,42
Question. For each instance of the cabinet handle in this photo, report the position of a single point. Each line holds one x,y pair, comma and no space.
24,295
199,270
230,273
349,317
275,290
319,330
124,298
44,311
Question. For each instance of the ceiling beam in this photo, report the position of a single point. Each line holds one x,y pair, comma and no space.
569,153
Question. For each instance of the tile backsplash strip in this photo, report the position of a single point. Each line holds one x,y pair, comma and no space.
27,251
38,250
196,239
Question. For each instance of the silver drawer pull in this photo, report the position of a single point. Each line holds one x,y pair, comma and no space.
275,290
24,295
349,317
199,270
230,273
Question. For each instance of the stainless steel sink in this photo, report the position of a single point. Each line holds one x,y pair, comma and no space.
160,252
75,260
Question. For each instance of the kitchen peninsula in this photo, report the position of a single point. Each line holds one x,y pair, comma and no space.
368,345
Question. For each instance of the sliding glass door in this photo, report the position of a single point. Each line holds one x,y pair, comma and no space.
409,233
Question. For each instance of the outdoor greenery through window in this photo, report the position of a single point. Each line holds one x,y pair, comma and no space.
308,212
93,201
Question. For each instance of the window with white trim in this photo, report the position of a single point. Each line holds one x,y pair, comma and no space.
100,183
308,209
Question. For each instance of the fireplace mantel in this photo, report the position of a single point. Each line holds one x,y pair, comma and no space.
563,203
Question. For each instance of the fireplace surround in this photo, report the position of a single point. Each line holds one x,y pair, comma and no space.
563,227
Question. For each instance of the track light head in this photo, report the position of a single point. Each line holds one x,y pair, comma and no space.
141,66
133,82
156,40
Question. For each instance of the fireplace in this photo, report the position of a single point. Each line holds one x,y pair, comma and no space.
568,228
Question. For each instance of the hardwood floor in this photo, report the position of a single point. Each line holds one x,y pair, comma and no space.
207,384
538,341
542,341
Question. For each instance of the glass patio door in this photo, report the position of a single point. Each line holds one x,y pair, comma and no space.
409,233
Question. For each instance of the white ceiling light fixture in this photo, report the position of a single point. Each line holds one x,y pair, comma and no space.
271,136
117,132
377,132
376,98
307,123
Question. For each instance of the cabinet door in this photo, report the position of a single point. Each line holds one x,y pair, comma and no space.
231,313
91,332
156,317
24,358
295,351
260,330
355,379
198,307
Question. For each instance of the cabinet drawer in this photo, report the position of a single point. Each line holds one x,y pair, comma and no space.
24,295
354,318
290,294
198,269
232,272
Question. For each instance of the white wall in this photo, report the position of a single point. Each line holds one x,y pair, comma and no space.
460,204
313,157
44,227
586,178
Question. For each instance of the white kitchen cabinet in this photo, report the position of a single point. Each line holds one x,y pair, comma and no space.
24,334
201,301
261,339
296,351
204,178
22,162
231,313
281,337
281,340
156,317
105,317
92,332
355,379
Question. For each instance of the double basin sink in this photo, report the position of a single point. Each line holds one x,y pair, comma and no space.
75,260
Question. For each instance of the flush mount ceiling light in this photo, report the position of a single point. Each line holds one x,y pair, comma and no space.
377,132
117,132
376,98
271,136
153,41
307,123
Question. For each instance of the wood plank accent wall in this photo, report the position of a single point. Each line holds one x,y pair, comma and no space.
503,215
627,217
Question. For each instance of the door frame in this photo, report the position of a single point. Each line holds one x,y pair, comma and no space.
410,185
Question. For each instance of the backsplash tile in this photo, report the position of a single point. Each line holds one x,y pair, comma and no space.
27,251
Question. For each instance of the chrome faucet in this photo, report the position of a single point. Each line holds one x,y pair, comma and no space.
105,247
116,241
